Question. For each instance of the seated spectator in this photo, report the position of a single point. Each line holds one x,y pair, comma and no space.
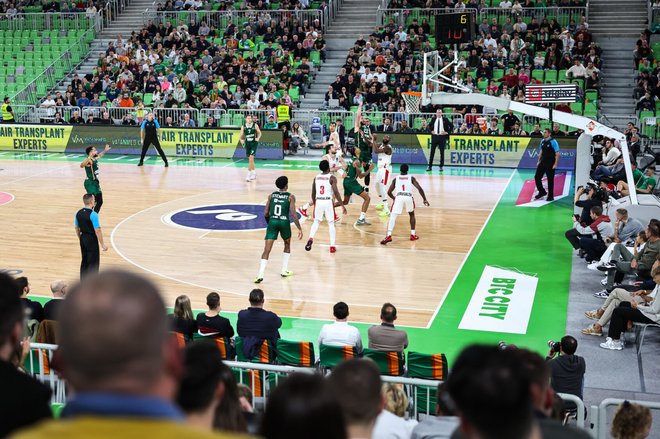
128,120
387,126
610,153
646,103
340,333
270,124
298,138
404,128
517,131
391,422
644,185
594,198
90,119
302,406
386,337
23,399
577,71
641,313
493,129
182,320
128,382
211,322
59,289
556,131
592,237
608,171
33,310
57,120
202,389
187,122
624,262
631,421
356,384
255,324
76,119
444,423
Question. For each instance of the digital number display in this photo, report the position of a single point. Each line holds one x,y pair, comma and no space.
453,28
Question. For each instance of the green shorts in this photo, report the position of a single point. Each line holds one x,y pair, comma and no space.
250,148
92,186
277,226
366,159
352,187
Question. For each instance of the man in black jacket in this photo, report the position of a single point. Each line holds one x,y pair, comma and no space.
440,129
255,324
567,368
23,400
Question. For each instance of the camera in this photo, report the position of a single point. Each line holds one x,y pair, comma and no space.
502,345
554,346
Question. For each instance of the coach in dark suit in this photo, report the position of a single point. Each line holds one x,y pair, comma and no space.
440,128
255,324
341,132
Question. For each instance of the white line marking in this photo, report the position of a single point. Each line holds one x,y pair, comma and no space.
40,173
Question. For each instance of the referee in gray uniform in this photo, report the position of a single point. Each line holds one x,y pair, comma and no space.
88,230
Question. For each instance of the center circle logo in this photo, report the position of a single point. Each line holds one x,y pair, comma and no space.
220,217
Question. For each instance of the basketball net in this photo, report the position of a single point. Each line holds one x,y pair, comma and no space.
412,100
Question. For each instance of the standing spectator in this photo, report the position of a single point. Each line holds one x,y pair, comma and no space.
211,322
182,320
508,121
303,406
59,289
88,229
386,337
340,333
127,382
631,421
7,111
49,105
23,400
547,164
33,309
440,129
255,324
126,101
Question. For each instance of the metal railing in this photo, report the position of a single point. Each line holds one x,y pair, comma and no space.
56,71
52,21
581,414
112,10
222,19
403,17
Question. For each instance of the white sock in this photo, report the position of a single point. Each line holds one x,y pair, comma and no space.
390,226
285,261
412,232
305,206
314,229
333,232
363,215
262,268
385,206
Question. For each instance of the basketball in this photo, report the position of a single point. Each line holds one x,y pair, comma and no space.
380,60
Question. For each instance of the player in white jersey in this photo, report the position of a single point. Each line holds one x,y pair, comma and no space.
337,167
333,139
384,173
401,191
324,194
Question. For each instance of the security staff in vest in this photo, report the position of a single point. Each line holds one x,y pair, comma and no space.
284,115
149,134
7,112
88,229
440,129
547,164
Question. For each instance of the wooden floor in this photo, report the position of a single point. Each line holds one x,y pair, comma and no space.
37,236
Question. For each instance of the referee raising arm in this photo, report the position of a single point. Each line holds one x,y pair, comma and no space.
88,230
149,134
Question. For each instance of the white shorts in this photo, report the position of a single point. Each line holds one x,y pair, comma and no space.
324,208
383,176
403,201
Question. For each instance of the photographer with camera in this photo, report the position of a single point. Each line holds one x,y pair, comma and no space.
567,368
594,197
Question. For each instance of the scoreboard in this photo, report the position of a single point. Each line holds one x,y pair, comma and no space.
456,28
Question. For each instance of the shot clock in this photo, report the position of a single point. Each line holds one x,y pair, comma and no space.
454,28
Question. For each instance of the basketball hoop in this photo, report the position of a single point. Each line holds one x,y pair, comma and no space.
412,100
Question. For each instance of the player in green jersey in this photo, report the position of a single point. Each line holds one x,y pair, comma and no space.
91,166
364,139
250,135
279,206
352,186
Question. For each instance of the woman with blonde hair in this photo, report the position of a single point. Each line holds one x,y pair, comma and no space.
182,319
631,421
391,422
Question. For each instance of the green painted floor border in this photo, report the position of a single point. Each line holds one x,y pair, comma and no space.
527,239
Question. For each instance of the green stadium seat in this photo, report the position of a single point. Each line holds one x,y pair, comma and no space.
576,107
592,96
430,367
330,356
294,353
538,74
389,363
551,76
590,110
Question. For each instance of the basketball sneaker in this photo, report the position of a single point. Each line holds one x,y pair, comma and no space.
302,212
258,280
253,176
333,249
386,240
308,246
248,177
385,213
337,219
380,206
362,222
414,237
286,273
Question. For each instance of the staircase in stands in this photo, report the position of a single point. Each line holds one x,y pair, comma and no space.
128,21
356,17
616,26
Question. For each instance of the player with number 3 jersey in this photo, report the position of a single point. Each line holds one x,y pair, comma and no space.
401,191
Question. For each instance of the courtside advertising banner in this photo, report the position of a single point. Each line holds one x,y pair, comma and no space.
481,151
176,142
